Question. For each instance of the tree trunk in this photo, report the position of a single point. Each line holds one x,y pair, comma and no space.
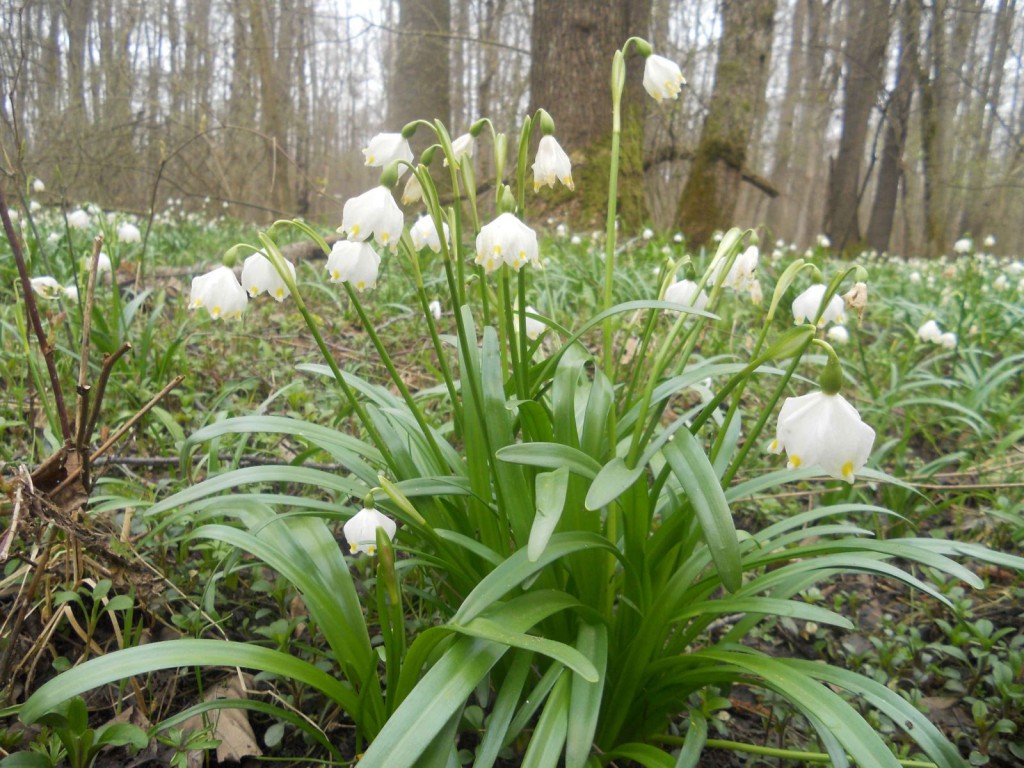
573,45
864,56
897,119
709,198
419,84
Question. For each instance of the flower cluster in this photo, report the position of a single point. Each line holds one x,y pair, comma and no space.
932,332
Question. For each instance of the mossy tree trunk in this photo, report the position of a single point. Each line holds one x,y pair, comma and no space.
709,197
570,77
420,80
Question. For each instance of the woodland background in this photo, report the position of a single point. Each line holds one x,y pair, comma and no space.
896,125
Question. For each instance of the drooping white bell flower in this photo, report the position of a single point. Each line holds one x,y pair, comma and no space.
685,292
129,233
46,286
1001,283
947,340
552,165
386,148
506,240
825,430
34,206
103,264
353,262
930,331
259,275
989,241
38,186
361,530
534,327
373,213
462,148
647,233
79,219
805,307
662,78
413,191
435,309
743,273
220,293
963,245
838,334
424,234
914,277
71,292
823,241
53,237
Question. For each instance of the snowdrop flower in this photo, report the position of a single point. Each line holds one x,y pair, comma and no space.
989,241
947,340
930,331
462,148
685,292
552,165
361,530
662,78
129,233
805,307
413,191
506,240
38,186
373,213
79,219
46,286
220,292
424,234
742,274
71,293
647,234
435,309
353,262
963,245
823,429
838,334
259,275
386,148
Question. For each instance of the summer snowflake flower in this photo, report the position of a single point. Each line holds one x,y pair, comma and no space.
552,165
647,234
361,530
129,233
386,148
947,340
534,327
424,234
989,241
743,274
435,309
506,240
71,293
38,186
220,292
355,263
102,264
79,219
462,148
413,191
1001,283
373,213
838,334
46,286
824,242
963,245
805,307
259,275
662,77
825,430
930,331
685,292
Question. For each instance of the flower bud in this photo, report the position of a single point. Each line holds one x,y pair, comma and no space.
410,129
476,128
831,379
390,175
507,200
547,123
428,155
642,47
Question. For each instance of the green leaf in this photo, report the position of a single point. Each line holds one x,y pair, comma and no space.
504,708
645,754
612,481
585,696
551,456
693,744
768,606
487,629
549,735
695,474
144,659
551,488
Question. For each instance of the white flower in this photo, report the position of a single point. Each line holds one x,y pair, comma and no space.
824,242
838,334
424,234
71,292
534,327
34,206
685,292
128,233
743,273
79,219
575,240
756,294
361,530
259,275
914,277
46,286
647,234
825,430
13,214
552,165
677,237
963,245
1015,268
435,309
413,191
1001,283
561,230
947,340
662,77
930,331
506,240
355,263
386,148
373,213
53,237
462,148
38,186
102,264
805,307
220,292
989,241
